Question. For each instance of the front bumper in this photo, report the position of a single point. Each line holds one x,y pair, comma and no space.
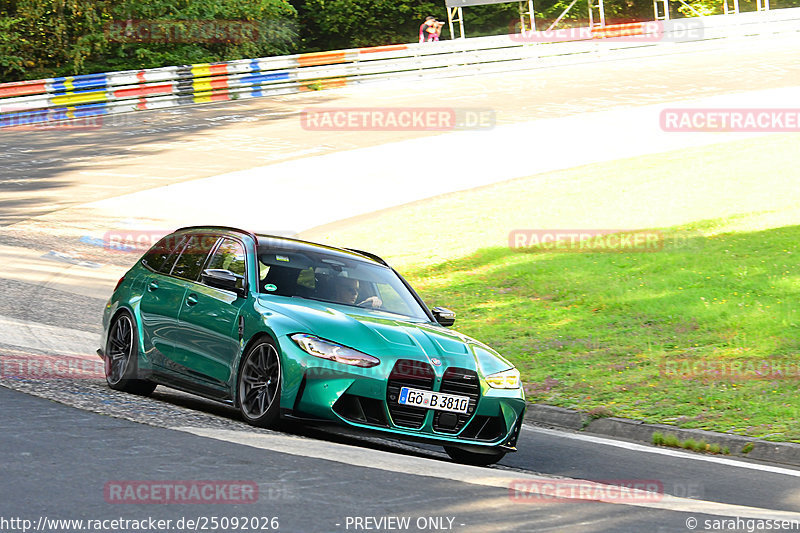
366,399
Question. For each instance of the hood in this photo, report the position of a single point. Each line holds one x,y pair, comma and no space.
385,335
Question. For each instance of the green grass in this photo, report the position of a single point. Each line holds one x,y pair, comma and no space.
671,440
592,331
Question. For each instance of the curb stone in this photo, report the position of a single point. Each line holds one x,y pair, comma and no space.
787,453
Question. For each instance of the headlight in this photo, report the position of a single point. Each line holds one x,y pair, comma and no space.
508,379
334,352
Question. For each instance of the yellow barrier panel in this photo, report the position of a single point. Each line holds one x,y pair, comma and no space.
79,98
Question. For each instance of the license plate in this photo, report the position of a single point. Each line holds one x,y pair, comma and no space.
433,400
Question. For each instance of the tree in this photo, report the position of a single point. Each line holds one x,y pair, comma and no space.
46,38
336,24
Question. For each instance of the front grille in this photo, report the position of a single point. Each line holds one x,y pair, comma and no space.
462,382
413,374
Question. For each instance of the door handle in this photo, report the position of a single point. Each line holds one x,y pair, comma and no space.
191,299
153,286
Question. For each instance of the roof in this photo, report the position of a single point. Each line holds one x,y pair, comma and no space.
288,243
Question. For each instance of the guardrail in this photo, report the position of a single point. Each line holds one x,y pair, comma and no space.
32,102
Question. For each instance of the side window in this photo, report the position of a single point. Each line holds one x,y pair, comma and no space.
263,271
230,256
190,263
158,256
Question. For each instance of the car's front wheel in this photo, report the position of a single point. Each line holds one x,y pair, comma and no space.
461,455
260,385
121,360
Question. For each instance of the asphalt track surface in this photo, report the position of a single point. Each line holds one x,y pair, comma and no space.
40,169
74,454
56,459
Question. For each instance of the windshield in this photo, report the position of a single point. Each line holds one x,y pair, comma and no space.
335,279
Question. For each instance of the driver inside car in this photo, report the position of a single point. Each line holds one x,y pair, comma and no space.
346,291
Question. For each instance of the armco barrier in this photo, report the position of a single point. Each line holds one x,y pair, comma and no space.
31,102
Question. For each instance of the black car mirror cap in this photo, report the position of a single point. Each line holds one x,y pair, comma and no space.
219,278
445,317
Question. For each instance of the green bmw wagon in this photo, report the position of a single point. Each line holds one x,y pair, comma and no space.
287,329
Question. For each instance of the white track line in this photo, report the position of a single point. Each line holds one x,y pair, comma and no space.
420,466
662,451
52,339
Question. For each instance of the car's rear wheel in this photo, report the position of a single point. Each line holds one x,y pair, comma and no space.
260,385
461,455
121,360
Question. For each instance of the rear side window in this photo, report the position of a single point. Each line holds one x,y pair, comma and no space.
158,256
191,261
230,256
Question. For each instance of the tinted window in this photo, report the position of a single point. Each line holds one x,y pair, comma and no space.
230,256
158,256
336,279
190,263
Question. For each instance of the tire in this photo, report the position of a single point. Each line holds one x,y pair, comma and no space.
260,383
460,455
122,358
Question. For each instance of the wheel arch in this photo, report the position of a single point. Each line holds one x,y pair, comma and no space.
132,310
255,338
126,308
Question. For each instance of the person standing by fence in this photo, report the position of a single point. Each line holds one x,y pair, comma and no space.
430,30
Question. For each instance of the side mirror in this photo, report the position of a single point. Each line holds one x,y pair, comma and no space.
444,317
222,279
